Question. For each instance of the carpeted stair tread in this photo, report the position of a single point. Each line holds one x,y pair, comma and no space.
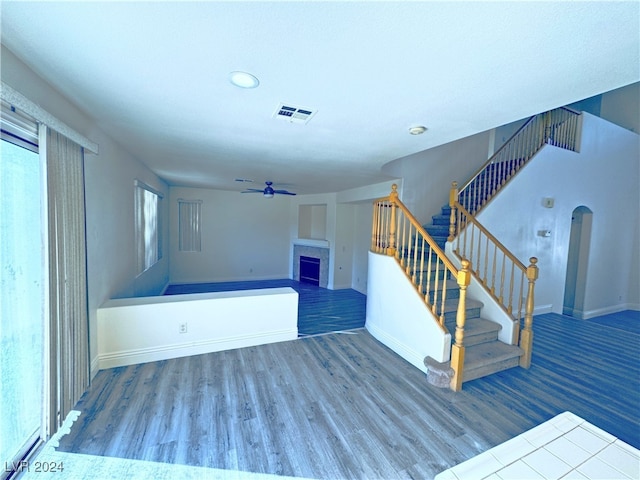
488,358
475,326
476,330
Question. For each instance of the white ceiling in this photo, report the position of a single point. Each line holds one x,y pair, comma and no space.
154,76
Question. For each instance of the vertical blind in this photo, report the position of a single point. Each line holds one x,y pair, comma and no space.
68,317
189,225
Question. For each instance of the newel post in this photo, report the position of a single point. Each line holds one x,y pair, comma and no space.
453,198
393,197
457,349
526,335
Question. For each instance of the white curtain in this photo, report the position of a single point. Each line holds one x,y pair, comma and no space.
189,225
68,324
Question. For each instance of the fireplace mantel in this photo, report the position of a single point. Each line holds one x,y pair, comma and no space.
311,242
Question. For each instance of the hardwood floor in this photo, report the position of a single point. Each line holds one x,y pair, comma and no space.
342,405
320,310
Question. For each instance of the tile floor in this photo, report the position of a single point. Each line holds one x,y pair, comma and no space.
565,447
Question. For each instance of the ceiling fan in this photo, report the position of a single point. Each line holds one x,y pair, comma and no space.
268,191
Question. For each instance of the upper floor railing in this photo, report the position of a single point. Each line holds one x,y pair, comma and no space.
557,127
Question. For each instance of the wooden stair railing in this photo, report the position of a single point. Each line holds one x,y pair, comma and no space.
557,127
501,274
397,233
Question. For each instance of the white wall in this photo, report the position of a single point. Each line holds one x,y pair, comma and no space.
363,218
244,237
427,175
398,317
109,180
147,329
345,238
604,178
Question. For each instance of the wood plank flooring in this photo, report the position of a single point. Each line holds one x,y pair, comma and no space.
343,405
320,310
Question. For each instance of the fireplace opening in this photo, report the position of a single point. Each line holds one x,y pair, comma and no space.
310,270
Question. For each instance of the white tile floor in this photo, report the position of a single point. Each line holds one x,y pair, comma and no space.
566,447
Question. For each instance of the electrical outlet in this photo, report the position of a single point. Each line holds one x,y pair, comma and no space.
183,328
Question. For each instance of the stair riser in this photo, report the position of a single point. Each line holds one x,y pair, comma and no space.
450,317
437,230
471,373
471,340
452,293
441,220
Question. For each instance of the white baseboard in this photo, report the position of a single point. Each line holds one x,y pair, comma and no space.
608,310
541,309
165,352
410,355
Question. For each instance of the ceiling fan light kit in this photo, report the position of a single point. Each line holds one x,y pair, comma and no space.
268,191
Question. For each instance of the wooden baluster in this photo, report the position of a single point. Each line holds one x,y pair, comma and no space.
444,293
464,243
393,197
526,335
493,273
459,227
501,297
374,228
407,247
486,261
510,306
382,229
457,349
494,176
434,307
401,234
428,286
415,258
479,256
400,221
520,297
422,265
453,198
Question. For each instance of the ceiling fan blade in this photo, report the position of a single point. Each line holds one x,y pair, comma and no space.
252,190
283,192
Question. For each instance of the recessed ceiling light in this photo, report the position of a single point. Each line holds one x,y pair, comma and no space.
419,130
243,80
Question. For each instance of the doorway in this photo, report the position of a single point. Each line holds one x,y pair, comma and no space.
577,260
22,300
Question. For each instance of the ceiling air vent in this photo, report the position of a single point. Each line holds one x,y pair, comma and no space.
294,114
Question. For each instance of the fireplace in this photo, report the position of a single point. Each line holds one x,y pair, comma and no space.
313,255
310,270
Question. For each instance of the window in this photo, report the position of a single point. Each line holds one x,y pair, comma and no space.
189,224
148,211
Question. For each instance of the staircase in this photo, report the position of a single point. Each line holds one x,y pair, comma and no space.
439,226
497,275
485,354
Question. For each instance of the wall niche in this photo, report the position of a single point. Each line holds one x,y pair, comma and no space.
312,222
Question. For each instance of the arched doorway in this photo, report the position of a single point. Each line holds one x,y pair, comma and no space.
578,256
